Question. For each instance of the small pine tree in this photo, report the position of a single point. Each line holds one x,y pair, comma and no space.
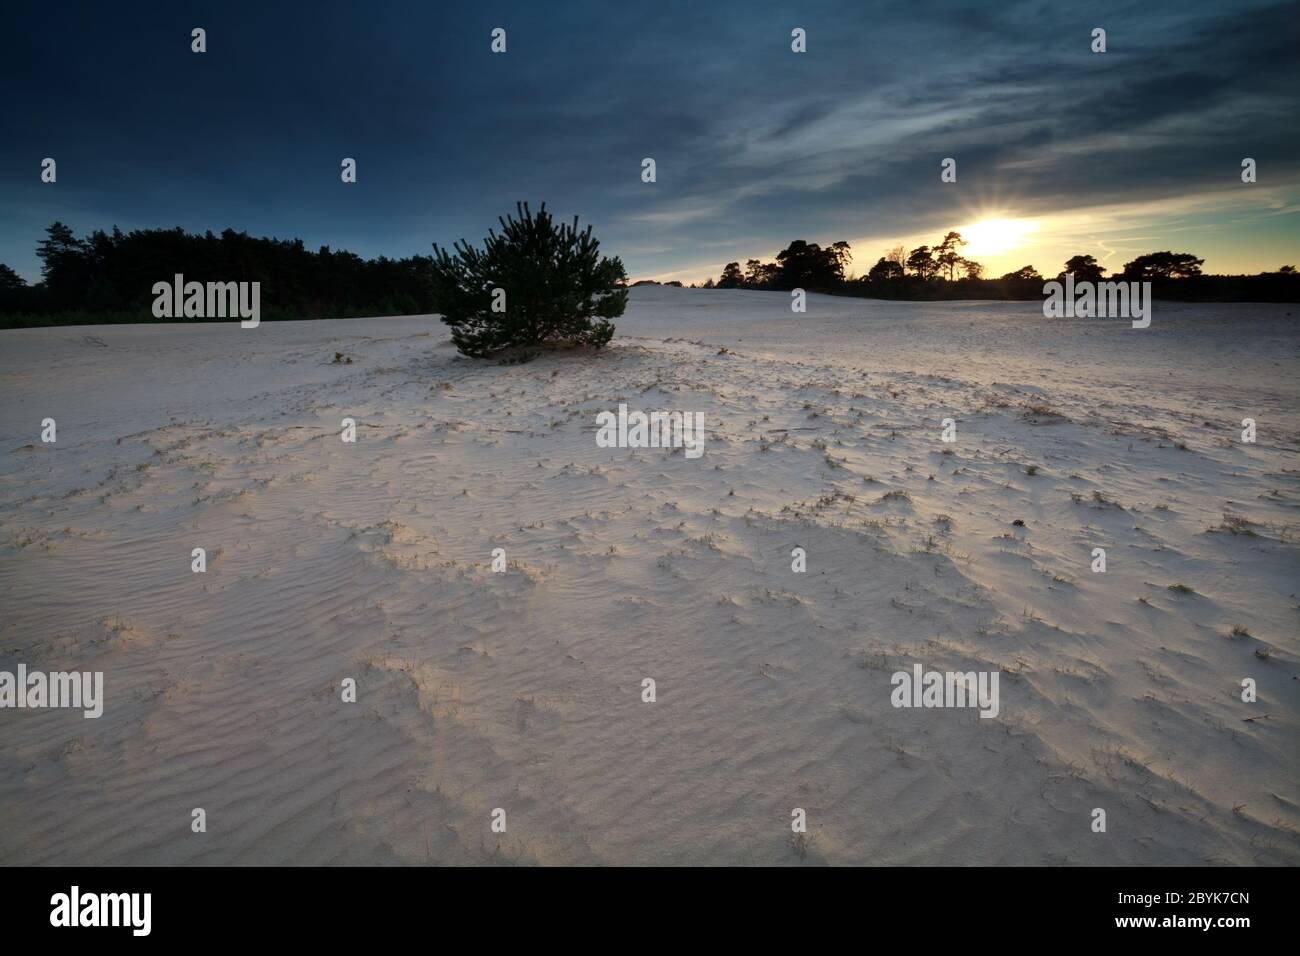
557,286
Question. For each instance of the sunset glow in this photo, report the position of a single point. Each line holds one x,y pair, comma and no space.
995,236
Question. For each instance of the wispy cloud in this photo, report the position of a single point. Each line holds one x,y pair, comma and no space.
755,145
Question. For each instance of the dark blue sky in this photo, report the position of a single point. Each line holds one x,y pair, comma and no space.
1132,150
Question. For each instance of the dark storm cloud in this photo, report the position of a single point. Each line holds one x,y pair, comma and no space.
755,145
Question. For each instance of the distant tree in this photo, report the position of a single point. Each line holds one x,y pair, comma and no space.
1287,271
708,283
947,255
760,275
1025,273
806,265
842,254
921,261
803,265
1084,269
885,270
10,281
1164,265
732,277
59,244
67,268
15,294
557,286
897,254
972,269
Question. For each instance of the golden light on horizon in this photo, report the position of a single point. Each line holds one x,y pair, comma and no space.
996,235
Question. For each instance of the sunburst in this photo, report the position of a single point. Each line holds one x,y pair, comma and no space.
996,235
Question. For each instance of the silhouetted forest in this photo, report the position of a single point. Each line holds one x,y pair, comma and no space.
941,272
109,276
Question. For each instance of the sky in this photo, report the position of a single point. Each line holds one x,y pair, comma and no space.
1059,150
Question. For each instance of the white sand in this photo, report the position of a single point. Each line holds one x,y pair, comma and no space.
523,690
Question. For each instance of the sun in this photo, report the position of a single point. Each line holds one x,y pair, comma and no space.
994,236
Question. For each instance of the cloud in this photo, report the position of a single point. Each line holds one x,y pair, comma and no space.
755,145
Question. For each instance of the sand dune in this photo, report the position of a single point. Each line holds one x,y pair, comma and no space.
522,690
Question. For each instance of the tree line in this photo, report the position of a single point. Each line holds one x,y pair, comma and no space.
109,276
942,272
